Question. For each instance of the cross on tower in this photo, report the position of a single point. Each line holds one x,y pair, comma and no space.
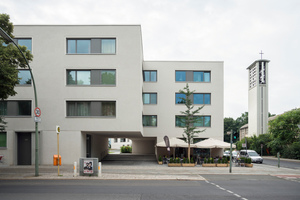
261,53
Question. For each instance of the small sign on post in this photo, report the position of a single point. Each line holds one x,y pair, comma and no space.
244,145
58,131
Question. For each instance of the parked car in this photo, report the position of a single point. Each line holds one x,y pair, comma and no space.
226,153
255,158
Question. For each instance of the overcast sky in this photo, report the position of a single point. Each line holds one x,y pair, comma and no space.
233,31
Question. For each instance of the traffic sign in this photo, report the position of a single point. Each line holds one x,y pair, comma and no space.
57,129
37,119
244,145
37,112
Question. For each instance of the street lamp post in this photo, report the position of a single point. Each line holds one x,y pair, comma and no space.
230,165
9,39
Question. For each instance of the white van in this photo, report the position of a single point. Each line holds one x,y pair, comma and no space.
255,158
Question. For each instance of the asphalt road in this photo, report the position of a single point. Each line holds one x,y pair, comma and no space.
217,187
283,163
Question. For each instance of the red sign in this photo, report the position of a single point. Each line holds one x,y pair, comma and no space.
37,112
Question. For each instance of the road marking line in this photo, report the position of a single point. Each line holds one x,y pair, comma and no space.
229,191
237,195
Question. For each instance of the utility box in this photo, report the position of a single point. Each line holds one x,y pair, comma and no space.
88,166
55,160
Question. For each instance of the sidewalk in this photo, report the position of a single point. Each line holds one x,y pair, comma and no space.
140,171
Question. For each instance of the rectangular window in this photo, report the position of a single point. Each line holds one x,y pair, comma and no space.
108,77
122,139
24,77
3,108
27,42
24,108
200,121
108,46
192,76
91,108
116,140
108,108
149,120
150,76
179,121
180,98
3,138
91,46
180,76
149,98
15,108
201,98
91,77
79,77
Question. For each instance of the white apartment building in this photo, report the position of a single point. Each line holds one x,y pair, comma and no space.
93,82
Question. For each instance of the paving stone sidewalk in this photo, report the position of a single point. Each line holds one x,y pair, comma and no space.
140,171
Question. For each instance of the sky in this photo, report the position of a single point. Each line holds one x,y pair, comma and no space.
233,31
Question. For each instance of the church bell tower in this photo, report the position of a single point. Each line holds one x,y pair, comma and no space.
258,102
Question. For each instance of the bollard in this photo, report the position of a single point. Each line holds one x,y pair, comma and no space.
99,169
278,156
75,169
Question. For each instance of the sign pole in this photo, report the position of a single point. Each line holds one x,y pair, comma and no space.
57,131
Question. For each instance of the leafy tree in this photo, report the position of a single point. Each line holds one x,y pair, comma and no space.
189,120
284,130
10,60
234,125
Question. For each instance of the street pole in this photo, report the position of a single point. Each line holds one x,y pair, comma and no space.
9,39
230,168
230,164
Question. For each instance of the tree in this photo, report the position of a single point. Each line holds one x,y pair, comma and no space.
284,131
10,60
189,119
234,125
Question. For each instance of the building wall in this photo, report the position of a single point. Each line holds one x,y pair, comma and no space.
166,88
49,67
258,100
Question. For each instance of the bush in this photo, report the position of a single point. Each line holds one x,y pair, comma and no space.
192,160
177,160
160,159
126,149
187,160
171,160
292,151
219,160
248,160
184,160
205,161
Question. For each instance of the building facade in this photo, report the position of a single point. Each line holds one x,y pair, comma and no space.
93,82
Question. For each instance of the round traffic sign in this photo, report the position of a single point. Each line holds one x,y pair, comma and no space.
37,112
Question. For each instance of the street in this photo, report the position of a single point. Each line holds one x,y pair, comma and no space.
215,187
283,163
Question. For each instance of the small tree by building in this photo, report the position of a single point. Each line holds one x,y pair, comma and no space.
189,118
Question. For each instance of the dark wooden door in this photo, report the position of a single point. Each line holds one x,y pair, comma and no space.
24,148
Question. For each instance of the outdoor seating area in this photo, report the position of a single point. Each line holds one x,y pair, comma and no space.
208,153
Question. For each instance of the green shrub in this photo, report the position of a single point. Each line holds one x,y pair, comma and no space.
177,160
192,160
126,149
205,161
171,160
211,160
160,159
187,160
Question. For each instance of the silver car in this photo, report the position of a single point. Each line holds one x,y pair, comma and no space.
255,158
